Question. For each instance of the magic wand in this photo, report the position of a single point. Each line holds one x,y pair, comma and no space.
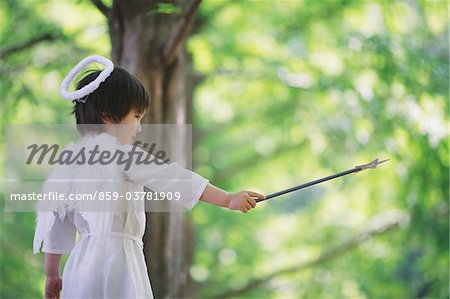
358,168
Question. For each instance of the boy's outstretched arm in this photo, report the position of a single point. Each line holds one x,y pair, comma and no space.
242,201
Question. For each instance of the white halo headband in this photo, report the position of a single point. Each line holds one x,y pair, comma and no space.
86,90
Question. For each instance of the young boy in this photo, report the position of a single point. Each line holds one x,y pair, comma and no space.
108,260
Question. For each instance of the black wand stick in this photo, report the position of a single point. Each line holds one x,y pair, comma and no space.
359,168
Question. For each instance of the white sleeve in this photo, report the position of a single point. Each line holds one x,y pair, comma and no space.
169,178
61,238
58,235
54,225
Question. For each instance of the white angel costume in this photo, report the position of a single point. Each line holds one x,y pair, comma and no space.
107,261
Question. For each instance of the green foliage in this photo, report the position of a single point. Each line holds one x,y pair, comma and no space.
297,90
167,8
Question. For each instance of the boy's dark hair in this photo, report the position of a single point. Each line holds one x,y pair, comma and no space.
115,97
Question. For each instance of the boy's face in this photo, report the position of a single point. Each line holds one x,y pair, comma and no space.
127,128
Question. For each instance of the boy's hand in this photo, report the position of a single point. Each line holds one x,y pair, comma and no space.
243,201
53,286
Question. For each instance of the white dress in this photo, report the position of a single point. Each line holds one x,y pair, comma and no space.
107,261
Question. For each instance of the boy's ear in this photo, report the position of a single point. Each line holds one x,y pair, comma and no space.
106,119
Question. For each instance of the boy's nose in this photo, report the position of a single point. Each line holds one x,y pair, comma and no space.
139,128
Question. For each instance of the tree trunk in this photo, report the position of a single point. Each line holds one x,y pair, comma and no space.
138,36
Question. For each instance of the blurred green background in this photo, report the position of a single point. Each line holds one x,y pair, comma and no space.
290,91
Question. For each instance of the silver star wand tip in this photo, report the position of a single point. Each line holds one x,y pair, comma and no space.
371,165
